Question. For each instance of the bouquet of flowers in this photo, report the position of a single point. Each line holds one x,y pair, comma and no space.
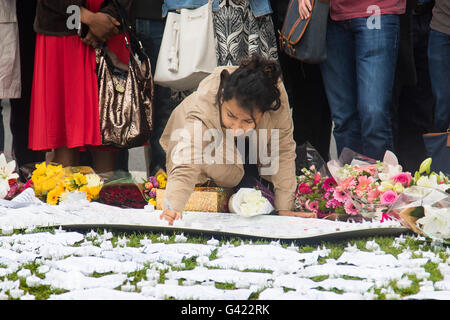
317,193
369,187
123,191
424,210
158,181
425,205
424,178
249,202
53,182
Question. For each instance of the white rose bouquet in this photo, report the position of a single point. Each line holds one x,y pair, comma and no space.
249,202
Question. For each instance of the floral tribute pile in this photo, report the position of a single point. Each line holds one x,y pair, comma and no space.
352,190
380,190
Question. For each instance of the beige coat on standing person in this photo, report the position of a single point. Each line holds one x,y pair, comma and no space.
201,108
10,84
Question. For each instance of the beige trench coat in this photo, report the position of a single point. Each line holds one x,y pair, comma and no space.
199,110
10,83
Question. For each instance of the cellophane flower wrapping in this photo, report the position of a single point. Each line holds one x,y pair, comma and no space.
366,186
426,210
316,188
122,190
52,182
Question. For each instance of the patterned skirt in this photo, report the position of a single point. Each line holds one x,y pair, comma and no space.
240,34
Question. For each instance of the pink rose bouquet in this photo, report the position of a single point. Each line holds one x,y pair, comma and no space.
369,188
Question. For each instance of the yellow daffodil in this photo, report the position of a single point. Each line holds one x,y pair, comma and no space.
80,179
153,201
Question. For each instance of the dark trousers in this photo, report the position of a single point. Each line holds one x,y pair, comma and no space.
306,93
413,104
20,108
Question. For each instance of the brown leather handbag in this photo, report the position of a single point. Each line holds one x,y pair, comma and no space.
125,96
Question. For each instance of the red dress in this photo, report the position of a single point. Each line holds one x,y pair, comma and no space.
64,101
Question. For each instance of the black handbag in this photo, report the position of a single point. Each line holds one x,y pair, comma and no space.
438,149
305,39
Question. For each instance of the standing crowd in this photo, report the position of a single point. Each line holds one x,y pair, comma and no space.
385,82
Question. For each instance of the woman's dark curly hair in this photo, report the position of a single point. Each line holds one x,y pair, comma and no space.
254,85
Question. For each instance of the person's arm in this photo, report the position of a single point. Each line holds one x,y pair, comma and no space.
181,176
109,8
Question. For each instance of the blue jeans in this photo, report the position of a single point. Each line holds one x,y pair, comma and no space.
150,32
358,77
439,64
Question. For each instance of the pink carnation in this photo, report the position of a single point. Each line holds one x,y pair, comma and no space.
388,197
317,178
304,188
404,178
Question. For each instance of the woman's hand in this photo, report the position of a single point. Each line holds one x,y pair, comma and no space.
102,25
297,214
91,40
304,9
171,216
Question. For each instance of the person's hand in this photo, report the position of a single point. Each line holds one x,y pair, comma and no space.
102,25
115,60
91,40
297,214
171,216
304,9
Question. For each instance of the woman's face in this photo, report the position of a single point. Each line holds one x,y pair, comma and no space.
237,119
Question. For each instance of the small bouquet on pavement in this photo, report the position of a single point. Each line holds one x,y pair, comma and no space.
52,182
123,191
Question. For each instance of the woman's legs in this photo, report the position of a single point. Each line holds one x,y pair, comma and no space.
66,156
103,161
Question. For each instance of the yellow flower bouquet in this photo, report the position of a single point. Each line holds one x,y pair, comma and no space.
53,182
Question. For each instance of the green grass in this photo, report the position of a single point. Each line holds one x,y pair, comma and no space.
335,251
